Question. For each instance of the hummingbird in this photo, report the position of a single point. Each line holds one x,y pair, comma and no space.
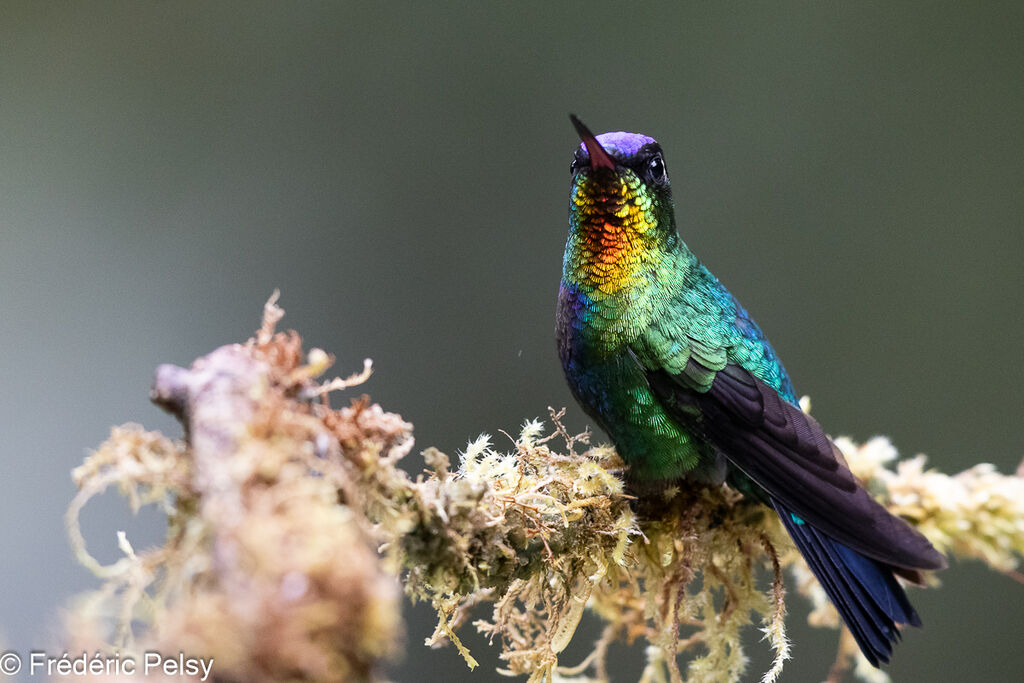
667,362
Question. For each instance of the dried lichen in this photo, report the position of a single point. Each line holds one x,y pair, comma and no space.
978,513
288,518
545,533
262,570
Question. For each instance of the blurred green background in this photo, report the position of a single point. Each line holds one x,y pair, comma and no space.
854,172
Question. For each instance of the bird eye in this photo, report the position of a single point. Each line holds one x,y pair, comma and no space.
575,165
656,169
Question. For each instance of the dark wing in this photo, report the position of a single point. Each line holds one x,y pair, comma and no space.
786,452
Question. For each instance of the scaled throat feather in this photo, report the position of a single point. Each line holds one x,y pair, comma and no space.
612,245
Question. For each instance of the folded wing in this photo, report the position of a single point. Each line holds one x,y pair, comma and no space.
786,453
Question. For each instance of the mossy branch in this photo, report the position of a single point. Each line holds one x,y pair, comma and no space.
289,519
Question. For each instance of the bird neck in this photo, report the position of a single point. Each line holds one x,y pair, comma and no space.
612,260
619,281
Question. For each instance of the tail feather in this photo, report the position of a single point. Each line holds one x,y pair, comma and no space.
864,591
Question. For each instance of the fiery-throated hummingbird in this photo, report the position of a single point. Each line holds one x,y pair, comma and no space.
669,364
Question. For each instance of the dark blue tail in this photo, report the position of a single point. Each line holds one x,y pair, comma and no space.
865,591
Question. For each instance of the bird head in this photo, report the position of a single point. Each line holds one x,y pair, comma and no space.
620,191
